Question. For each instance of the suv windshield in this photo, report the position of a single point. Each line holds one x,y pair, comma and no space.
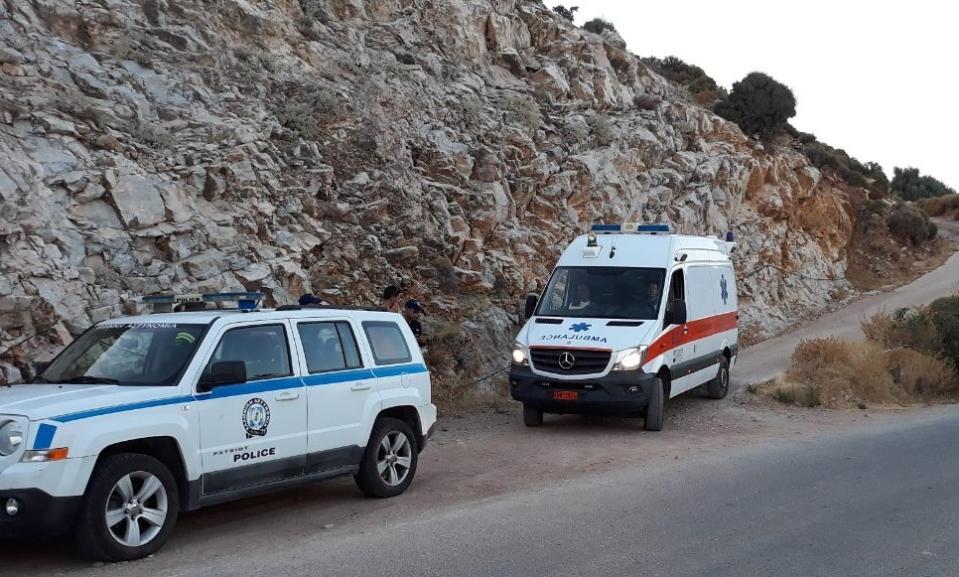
140,354
603,292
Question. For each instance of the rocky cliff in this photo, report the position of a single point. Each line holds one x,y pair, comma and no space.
334,146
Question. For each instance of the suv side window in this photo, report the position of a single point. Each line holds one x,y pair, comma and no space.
263,348
387,342
329,346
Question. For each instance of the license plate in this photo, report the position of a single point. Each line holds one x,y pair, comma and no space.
565,395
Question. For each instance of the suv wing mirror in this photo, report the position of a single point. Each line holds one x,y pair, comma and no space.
532,300
675,312
223,373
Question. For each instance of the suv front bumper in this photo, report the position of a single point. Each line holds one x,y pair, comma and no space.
607,394
39,514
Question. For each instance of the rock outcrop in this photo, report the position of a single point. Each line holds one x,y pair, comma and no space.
333,146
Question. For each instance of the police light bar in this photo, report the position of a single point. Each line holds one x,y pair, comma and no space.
244,300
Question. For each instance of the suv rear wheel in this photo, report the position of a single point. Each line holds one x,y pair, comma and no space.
129,510
389,462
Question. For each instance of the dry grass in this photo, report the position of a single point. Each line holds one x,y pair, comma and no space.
941,205
840,374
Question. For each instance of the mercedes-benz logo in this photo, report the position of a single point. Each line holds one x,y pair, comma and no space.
566,360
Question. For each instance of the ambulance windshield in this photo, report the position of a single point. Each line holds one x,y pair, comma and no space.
604,292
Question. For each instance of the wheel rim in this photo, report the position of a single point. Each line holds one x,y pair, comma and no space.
136,509
724,379
394,458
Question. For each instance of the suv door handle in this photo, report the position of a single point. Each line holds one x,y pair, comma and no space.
288,396
360,387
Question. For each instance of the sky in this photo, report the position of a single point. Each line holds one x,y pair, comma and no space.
877,79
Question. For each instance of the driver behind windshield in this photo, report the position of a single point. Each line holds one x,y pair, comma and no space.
581,297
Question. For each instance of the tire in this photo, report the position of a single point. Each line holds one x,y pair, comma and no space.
532,417
389,462
99,541
719,386
655,407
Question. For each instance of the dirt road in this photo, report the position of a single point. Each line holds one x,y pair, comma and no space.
482,460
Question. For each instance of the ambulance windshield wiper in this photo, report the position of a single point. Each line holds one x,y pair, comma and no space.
88,380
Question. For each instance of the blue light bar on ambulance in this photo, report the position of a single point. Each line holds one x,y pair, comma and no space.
606,228
244,300
653,228
630,227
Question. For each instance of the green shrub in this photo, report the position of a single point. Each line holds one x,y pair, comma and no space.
910,185
598,25
945,315
565,12
908,224
308,109
933,329
693,78
760,105
869,175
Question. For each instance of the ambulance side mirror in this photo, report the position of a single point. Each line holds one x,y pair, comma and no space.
223,373
532,300
675,312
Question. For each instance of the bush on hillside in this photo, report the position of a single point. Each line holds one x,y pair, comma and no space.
869,175
760,105
910,225
693,78
567,13
945,206
910,185
933,329
597,25
308,109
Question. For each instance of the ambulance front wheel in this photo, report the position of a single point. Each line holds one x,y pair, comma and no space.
532,417
655,408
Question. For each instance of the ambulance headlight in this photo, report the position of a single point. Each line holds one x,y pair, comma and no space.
11,437
520,357
630,359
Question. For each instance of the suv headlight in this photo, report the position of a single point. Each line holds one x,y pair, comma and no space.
630,359
11,437
520,355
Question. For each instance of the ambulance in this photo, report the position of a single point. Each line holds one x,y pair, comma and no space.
632,315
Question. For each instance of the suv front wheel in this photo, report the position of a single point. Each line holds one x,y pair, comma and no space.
389,462
129,509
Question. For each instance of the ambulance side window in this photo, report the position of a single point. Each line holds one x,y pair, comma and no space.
677,288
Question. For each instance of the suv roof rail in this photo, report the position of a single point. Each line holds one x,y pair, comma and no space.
164,303
330,307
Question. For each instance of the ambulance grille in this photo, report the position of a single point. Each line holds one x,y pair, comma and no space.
584,361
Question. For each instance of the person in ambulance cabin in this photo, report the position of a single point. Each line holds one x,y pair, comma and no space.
653,294
581,297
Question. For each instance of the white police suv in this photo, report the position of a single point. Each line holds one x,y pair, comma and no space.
141,418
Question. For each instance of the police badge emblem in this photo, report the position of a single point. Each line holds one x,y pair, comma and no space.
256,418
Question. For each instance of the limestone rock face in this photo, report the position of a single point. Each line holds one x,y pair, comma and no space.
335,146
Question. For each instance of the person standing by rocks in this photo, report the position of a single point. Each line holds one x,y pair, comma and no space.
412,311
391,299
